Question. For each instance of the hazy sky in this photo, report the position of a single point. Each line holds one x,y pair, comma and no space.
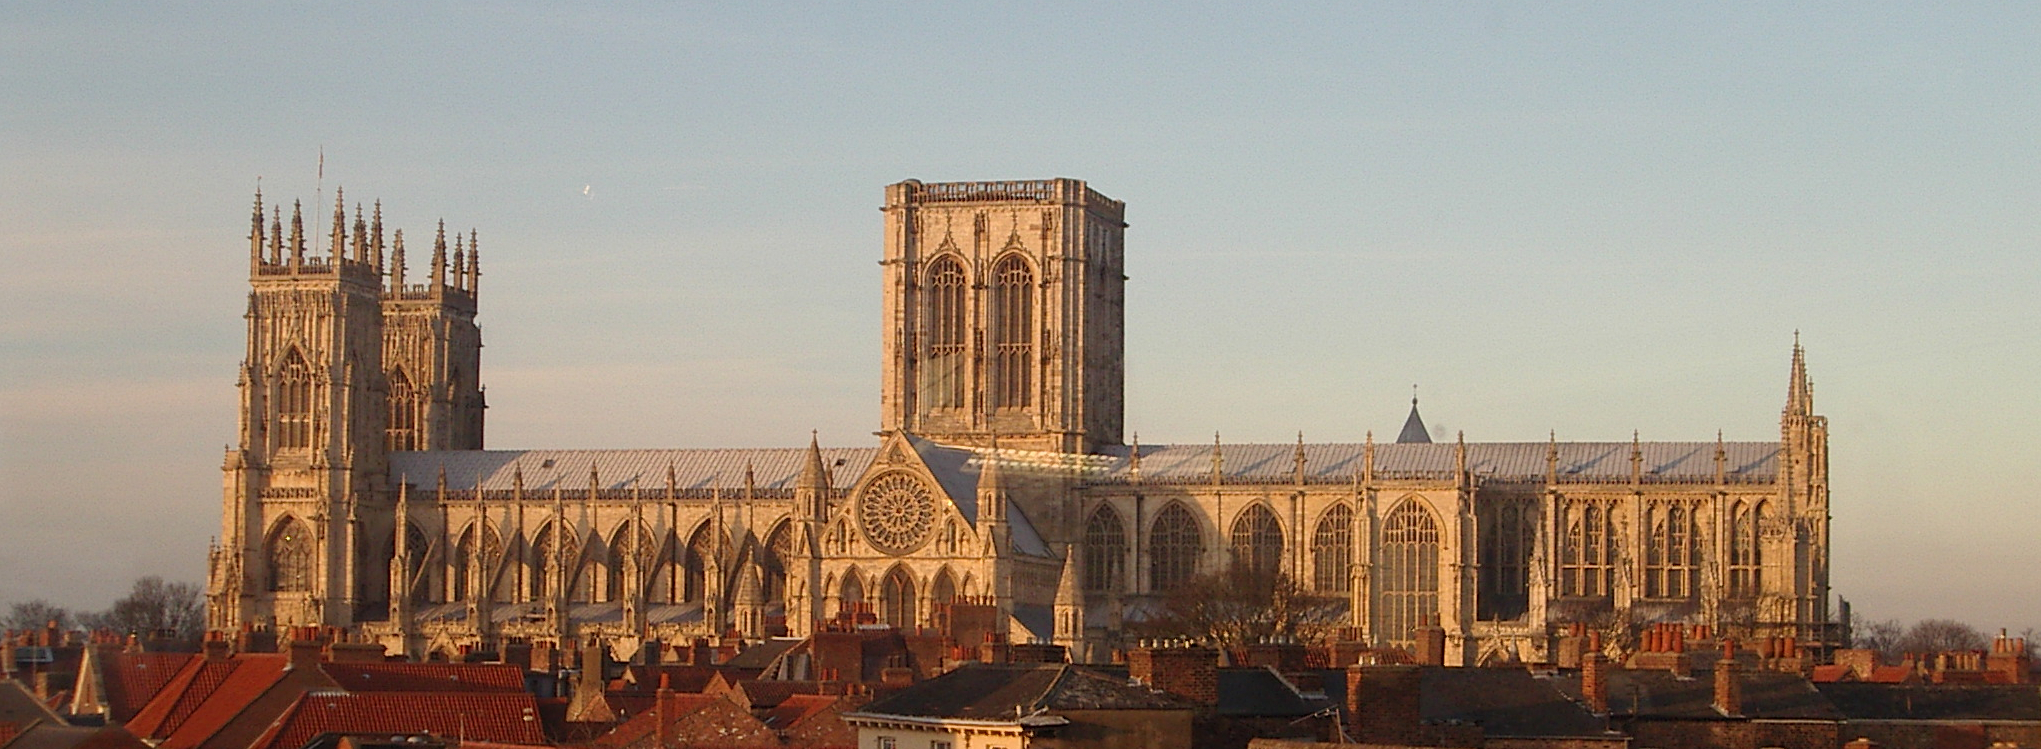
1553,216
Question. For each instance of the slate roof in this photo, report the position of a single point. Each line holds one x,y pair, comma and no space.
980,691
1583,462
764,654
1660,694
504,718
1959,702
773,468
1259,692
20,708
1505,702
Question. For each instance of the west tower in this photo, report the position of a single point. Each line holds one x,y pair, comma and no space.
339,371
1004,314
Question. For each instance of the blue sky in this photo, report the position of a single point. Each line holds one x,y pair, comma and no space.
1584,218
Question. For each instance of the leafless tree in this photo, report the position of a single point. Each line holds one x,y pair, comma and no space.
1243,605
156,608
1937,635
1881,635
36,614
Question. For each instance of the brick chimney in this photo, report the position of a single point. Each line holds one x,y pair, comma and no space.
1728,687
667,711
1431,644
1284,656
216,647
1594,677
1382,703
995,649
304,652
1187,670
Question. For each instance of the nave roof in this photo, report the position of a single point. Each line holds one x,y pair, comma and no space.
773,469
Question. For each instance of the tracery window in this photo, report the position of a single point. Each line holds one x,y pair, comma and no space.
290,557
473,560
896,598
407,406
948,331
1587,563
1671,557
1105,552
1408,574
418,553
1332,549
853,589
779,547
630,556
544,567
1013,333
294,402
1258,541
1746,557
701,550
1507,533
1174,545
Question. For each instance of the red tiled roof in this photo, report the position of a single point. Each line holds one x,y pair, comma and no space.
8,731
642,726
1826,674
491,717
132,679
795,708
251,676
175,702
426,677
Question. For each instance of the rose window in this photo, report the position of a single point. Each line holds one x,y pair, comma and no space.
897,512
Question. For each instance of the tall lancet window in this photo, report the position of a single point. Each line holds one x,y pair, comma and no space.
1671,559
1746,560
1013,333
1332,548
1258,541
1105,552
1587,562
294,402
406,407
1508,530
948,332
290,557
1408,577
897,601
1174,545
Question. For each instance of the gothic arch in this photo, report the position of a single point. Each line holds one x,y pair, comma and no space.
1175,543
419,567
403,428
1407,575
697,561
897,602
1332,549
629,560
1258,540
944,589
946,312
293,400
475,555
1011,325
290,558
851,589
551,551
1105,551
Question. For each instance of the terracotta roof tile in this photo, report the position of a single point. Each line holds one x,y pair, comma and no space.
426,677
132,679
250,676
500,718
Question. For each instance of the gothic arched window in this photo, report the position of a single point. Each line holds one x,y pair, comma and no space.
1507,531
407,407
853,591
1408,576
290,557
779,546
294,402
896,598
630,555
944,589
543,568
1671,557
1013,333
701,549
1587,562
1332,548
418,553
1258,541
1105,552
1174,545
1746,560
948,333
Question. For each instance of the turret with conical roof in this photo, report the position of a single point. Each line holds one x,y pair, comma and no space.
1413,425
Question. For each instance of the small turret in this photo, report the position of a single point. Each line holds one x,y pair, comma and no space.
439,259
474,262
336,248
460,266
255,235
397,263
812,487
1069,605
376,238
297,235
1413,425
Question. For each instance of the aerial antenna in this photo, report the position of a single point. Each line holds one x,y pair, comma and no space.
318,197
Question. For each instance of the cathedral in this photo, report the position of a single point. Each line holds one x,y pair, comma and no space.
359,493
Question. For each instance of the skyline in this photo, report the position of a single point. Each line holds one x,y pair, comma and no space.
1586,220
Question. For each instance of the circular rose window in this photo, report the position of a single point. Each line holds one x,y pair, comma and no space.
897,512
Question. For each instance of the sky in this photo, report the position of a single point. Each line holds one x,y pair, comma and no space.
1575,218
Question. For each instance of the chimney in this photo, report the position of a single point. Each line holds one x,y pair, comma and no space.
216,647
357,652
304,653
895,677
667,711
995,649
1594,678
518,654
1728,689
1187,670
1382,703
1431,644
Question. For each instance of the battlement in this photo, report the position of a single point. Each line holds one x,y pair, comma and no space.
1060,191
356,252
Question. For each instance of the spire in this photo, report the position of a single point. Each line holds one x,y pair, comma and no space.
1067,590
255,235
672,481
337,245
1552,457
1218,459
517,480
276,235
361,236
750,483
376,238
460,266
1413,425
297,234
1368,459
439,258
1721,458
1134,457
814,476
1800,391
474,262
397,264
1460,455
1299,458
1636,458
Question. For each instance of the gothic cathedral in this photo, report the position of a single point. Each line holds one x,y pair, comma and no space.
359,494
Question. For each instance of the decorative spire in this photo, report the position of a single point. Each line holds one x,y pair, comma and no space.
517,480
1800,391
1218,459
1460,455
474,263
337,245
1413,425
1134,458
397,263
1636,458
376,238
594,481
1368,459
439,258
672,481
1552,457
1299,458
297,234
276,235
1068,590
255,235
1721,458
460,267
361,236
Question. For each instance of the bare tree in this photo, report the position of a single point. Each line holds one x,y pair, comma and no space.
1937,635
36,614
1881,635
1243,605
156,608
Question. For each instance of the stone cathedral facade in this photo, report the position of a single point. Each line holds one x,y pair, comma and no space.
359,493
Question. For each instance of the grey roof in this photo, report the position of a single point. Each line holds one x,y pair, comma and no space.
1413,429
994,692
1662,695
1585,462
775,468
1505,702
1966,702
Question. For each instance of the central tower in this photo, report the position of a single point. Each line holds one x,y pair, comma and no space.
1004,312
